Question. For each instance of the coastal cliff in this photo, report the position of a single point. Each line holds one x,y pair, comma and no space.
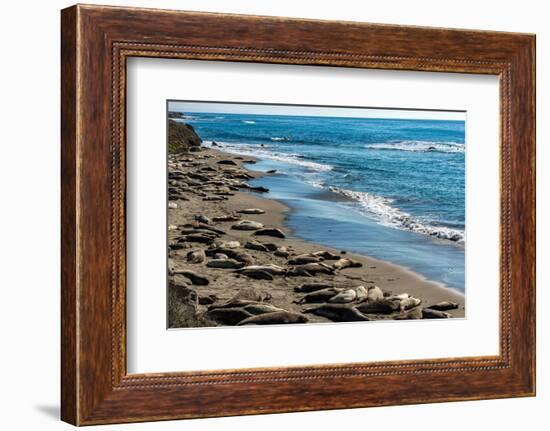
182,138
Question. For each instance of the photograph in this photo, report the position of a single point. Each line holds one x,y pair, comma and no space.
283,214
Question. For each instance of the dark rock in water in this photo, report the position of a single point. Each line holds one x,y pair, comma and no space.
195,278
277,233
431,148
182,137
250,161
271,171
227,162
257,274
312,287
444,306
228,316
275,318
214,144
428,313
339,313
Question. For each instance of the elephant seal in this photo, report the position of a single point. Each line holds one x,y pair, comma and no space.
346,263
228,316
444,306
339,313
274,318
384,307
362,293
196,256
430,313
312,287
224,264
406,304
233,303
348,295
304,259
314,268
259,308
413,313
322,295
375,294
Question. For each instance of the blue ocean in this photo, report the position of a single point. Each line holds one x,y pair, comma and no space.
389,188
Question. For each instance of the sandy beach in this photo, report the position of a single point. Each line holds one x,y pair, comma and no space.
233,261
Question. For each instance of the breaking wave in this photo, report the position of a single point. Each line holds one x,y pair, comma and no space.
419,146
265,153
391,216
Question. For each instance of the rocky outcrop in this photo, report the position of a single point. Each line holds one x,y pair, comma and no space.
181,137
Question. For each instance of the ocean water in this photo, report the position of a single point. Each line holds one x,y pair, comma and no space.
392,189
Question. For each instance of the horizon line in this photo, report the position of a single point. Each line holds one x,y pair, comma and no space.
287,109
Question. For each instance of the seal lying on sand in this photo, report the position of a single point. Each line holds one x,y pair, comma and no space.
339,313
322,295
275,318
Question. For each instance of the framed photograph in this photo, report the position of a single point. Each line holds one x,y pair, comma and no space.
322,214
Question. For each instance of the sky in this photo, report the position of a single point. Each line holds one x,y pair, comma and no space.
316,111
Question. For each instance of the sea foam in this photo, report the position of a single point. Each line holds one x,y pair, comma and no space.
266,153
419,146
382,209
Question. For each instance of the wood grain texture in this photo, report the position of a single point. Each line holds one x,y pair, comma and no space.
96,41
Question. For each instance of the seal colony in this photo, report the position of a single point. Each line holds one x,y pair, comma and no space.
232,261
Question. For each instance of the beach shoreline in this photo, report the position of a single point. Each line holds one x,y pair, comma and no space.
208,201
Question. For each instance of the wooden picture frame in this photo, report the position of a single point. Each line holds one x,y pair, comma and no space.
96,41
